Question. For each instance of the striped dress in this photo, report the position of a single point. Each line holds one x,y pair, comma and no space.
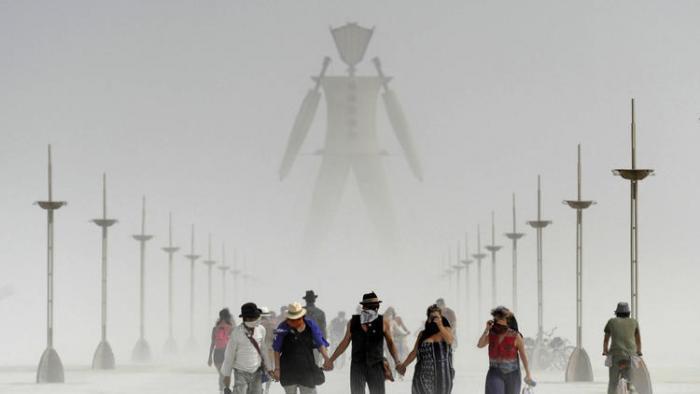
434,371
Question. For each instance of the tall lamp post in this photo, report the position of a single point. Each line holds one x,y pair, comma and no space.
104,357
539,225
579,366
50,368
640,376
142,351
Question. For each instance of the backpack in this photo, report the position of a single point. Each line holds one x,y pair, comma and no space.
221,335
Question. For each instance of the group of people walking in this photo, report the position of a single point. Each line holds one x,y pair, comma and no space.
293,350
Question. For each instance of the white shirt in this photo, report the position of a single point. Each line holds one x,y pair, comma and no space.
240,353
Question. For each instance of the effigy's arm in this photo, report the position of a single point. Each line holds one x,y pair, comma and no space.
302,124
399,124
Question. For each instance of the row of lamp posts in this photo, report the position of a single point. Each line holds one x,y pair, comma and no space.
579,366
50,369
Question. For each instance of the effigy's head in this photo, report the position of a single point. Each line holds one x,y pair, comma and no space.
352,41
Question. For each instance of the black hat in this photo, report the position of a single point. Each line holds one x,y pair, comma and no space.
370,298
310,295
249,309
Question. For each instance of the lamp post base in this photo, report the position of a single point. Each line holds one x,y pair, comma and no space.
104,357
141,352
641,379
579,367
50,368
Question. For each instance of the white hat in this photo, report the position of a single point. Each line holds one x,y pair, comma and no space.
265,311
295,311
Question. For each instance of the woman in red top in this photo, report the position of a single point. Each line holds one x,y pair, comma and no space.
219,339
505,345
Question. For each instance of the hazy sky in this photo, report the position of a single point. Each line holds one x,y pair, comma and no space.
191,103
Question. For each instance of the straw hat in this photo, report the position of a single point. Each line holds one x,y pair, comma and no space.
295,311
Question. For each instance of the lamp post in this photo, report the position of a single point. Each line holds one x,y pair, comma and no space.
493,248
209,262
192,257
466,262
170,347
142,351
579,366
479,256
104,357
640,375
514,236
223,268
50,369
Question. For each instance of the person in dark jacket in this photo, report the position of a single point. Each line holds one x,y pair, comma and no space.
367,333
296,338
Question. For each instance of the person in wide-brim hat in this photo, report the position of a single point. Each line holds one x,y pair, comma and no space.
295,311
250,311
370,298
310,296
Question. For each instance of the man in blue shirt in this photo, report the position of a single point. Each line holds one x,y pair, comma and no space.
295,339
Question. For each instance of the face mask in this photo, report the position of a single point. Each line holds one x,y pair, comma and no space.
368,315
499,328
252,324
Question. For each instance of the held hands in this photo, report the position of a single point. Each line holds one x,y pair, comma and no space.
401,369
276,374
328,365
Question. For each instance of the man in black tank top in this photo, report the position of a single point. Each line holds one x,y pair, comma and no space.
367,332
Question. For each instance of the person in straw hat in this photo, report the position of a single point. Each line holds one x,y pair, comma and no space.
296,338
367,332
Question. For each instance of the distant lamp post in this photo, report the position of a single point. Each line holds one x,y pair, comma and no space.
142,351
479,256
514,236
170,347
192,257
493,248
466,263
223,268
50,368
209,262
104,357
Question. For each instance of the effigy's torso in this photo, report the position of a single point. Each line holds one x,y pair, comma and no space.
351,109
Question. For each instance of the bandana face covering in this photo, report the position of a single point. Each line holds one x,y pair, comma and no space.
368,315
252,324
499,329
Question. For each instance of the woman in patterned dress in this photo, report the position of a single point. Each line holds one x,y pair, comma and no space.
433,349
